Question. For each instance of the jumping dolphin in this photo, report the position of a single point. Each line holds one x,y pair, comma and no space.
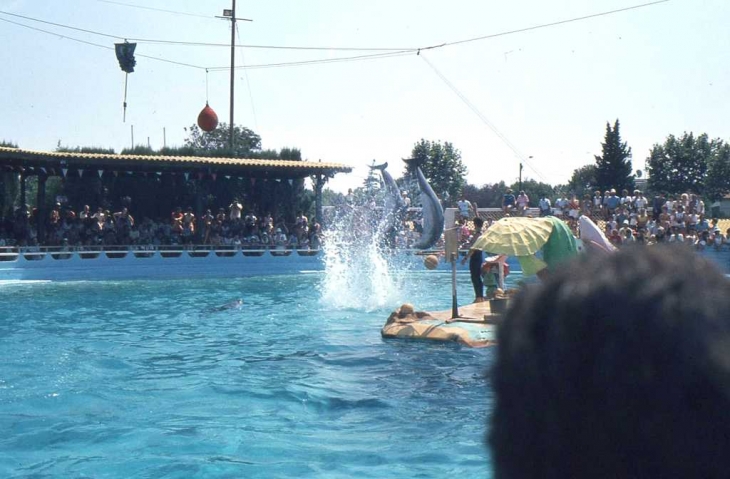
394,203
433,214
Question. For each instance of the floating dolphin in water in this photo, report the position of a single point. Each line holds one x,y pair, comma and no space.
235,304
433,214
394,203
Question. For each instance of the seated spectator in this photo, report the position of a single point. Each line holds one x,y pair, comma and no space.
508,201
586,205
280,239
615,238
315,240
221,216
573,208
597,205
523,202
85,214
703,240
716,238
640,389
177,215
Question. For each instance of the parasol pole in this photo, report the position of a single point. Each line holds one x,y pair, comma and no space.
501,262
454,302
451,253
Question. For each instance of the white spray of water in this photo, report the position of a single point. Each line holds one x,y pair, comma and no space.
359,271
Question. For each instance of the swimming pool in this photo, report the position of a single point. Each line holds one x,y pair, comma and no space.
160,379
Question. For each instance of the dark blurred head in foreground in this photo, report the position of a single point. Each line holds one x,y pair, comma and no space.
616,366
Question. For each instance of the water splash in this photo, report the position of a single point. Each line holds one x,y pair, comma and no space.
360,271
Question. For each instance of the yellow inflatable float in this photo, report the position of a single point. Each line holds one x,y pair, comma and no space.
475,327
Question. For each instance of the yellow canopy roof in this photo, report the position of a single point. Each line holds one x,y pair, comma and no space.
515,236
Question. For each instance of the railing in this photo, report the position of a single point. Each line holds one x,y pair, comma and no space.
33,253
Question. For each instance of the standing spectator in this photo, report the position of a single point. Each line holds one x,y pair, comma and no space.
545,207
207,220
406,199
626,199
236,208
561,205
611,202
465,208
597,205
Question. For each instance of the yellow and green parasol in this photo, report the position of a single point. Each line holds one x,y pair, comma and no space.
523,237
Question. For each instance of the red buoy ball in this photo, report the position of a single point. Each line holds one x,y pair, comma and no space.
207,119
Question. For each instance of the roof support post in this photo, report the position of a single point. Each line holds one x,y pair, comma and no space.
201,192
318,184
23,200
41,217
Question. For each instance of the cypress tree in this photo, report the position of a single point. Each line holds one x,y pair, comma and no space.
613,167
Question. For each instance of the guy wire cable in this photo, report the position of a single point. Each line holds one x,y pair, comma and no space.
484,119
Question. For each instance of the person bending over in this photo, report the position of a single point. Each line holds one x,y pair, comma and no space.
476,257
618,366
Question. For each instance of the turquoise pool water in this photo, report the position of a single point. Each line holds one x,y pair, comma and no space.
151,379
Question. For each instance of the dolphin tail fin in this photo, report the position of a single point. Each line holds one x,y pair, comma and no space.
379,167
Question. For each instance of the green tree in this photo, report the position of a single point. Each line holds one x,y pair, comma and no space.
218,141
613,167
533,189
485,196
680,164
583,181
372,182
442,166
332,198
717,182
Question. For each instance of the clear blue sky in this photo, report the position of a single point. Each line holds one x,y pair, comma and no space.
660,70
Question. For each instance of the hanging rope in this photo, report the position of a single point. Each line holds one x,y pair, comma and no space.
124,115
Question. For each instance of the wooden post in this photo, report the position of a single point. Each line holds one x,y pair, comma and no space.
233,72
41,205
318,213
23,200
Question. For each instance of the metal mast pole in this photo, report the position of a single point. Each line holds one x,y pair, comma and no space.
233,59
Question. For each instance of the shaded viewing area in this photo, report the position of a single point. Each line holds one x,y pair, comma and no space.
153,186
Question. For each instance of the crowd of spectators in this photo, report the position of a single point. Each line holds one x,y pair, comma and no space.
628,218
633,218
68,229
